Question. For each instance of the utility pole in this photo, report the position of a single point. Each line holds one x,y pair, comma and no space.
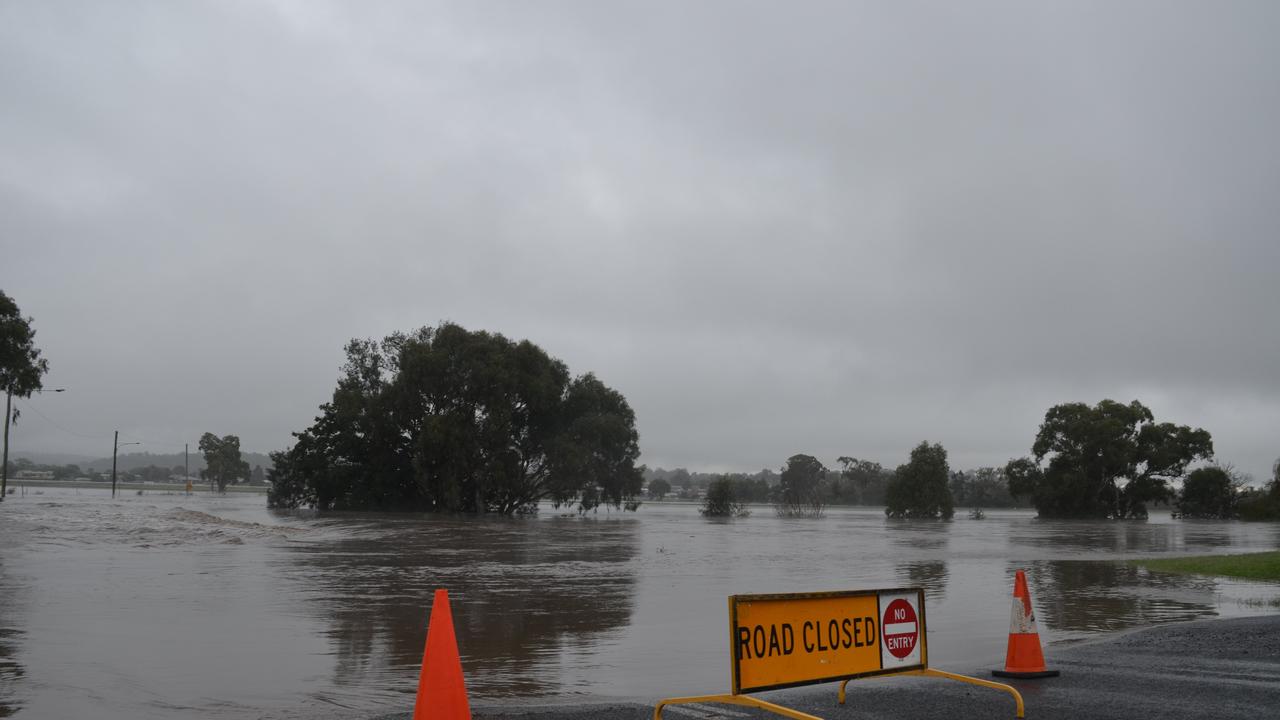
115,445
186,466
8,417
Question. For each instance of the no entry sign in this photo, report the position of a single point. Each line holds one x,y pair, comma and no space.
900,628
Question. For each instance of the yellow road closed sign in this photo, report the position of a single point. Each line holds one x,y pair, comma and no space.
785,640
781,641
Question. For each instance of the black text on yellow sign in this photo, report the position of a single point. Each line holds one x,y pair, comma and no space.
776,641
799,639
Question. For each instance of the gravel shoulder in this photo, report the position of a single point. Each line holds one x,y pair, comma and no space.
1212,668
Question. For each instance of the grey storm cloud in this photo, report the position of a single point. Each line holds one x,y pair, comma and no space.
831,228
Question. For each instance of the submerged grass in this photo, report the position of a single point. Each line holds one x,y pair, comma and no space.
1252,566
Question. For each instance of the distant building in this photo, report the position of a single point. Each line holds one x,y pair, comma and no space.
33,475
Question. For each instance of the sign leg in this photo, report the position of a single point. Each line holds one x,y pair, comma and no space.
745,700
1017,696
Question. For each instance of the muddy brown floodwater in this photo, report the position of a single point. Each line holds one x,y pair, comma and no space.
167,605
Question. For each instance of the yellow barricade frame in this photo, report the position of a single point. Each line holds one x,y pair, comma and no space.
738,697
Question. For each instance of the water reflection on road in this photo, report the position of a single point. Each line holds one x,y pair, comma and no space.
166,605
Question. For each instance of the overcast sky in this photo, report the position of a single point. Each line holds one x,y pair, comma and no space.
836,229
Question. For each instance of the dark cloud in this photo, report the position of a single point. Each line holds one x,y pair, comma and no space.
836,229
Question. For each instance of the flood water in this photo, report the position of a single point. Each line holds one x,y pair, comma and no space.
167,605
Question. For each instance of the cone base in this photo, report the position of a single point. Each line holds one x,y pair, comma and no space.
1025,675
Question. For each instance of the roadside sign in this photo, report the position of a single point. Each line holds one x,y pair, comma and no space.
902,631
785,640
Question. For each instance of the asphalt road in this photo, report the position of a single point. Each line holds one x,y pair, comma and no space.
1207,669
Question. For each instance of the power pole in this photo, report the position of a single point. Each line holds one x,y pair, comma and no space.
115,445
186,466
8,417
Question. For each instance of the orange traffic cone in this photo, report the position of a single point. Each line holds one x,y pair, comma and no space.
441,692
1023,658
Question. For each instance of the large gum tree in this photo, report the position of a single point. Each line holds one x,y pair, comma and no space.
1105,461
455,420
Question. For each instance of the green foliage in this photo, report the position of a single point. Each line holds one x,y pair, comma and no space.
21,367
721,500
1254,566
860,476
66,472
1108,460
223,465
920,489
1264,503
452,420
750,489
860,482
659,488
986,487
802,488
754,488
152,473
1207,493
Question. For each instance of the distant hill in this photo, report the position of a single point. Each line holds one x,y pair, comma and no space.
40,458
133,461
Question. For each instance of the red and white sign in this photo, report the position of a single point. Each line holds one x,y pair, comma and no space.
899,630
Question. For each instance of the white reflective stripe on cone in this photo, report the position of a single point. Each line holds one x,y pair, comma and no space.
1020,621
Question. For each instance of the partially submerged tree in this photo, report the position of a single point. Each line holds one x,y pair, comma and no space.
1208,492
722,501
860,474
1108,460
1261,503
920,488
453,420
984,487
800,492
21,370
223,465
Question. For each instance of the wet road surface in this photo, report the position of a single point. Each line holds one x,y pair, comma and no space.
1187,671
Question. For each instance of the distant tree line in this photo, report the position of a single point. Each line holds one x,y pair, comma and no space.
144,464
1109,460
856,483
918,489
147,473
682,484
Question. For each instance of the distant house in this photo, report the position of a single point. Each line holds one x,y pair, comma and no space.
33,475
